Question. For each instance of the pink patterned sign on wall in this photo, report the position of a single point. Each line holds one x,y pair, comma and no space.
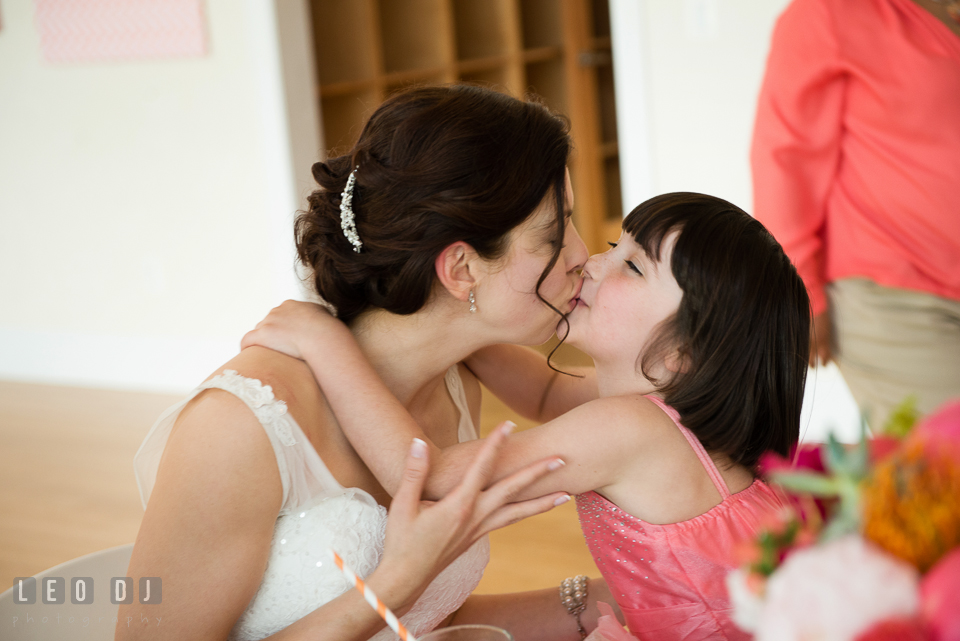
84,30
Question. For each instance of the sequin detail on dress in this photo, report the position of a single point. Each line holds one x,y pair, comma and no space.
669,580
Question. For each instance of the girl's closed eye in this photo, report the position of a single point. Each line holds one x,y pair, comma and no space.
631,265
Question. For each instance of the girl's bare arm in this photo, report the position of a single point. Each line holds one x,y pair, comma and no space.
596,440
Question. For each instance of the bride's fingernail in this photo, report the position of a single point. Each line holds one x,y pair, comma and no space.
562,499
507,427
556,464
418,449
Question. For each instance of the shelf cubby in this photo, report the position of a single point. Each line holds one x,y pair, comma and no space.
345,88
482,28
415,76
416,34
494,78
547,80
399,82
554,51
347,49
343,117
542,54
611,171
479,65
600,17
541,23
608,105
609,149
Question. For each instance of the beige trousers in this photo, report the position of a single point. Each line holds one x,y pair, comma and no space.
891,343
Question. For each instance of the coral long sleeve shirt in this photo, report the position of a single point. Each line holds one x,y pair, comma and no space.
856,148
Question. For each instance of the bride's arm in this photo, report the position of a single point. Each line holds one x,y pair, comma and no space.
209,523
597,439
207,531
207,526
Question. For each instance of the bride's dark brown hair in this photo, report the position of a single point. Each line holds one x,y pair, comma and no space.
437,165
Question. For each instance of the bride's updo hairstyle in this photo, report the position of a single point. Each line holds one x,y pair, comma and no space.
437,165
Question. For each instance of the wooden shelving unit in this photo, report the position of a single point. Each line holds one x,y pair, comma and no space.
556,50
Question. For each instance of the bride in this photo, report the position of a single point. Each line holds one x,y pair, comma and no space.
444,230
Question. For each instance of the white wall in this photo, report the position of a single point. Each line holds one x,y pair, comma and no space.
146,206
688,74
691,71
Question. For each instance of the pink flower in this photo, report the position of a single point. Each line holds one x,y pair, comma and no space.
941,430
882,446
896,630
835,591
940,598
804,456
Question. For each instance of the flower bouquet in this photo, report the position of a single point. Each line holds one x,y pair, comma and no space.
869,549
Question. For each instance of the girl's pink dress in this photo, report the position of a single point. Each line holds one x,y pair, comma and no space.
669,579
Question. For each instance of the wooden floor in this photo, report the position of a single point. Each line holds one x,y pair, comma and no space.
67,488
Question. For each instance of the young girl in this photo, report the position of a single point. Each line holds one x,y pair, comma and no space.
698,326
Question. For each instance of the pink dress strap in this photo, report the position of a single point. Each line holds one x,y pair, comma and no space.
694,442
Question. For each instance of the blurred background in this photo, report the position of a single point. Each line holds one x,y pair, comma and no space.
153,155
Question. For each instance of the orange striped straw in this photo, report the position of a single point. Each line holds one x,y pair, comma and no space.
372,599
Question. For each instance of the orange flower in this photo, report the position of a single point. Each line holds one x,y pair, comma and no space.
911,505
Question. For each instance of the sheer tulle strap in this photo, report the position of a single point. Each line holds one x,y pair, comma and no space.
466,431
694,442
303,473
259,398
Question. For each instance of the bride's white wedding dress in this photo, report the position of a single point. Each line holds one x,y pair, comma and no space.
318,513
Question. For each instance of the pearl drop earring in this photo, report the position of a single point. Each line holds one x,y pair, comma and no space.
473,303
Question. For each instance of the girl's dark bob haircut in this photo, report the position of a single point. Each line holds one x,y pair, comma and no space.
741,331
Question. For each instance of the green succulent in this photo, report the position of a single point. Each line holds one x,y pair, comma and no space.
846,469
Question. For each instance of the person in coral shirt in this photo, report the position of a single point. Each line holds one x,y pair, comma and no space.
856,171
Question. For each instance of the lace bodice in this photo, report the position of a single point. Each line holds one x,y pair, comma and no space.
318,513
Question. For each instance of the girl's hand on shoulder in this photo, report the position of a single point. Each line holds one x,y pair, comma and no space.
423,537
289,327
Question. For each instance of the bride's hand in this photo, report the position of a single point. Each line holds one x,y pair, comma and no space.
287,327
422,537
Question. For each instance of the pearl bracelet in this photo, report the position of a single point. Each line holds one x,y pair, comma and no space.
573,596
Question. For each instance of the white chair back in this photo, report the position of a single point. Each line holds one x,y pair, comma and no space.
96,621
